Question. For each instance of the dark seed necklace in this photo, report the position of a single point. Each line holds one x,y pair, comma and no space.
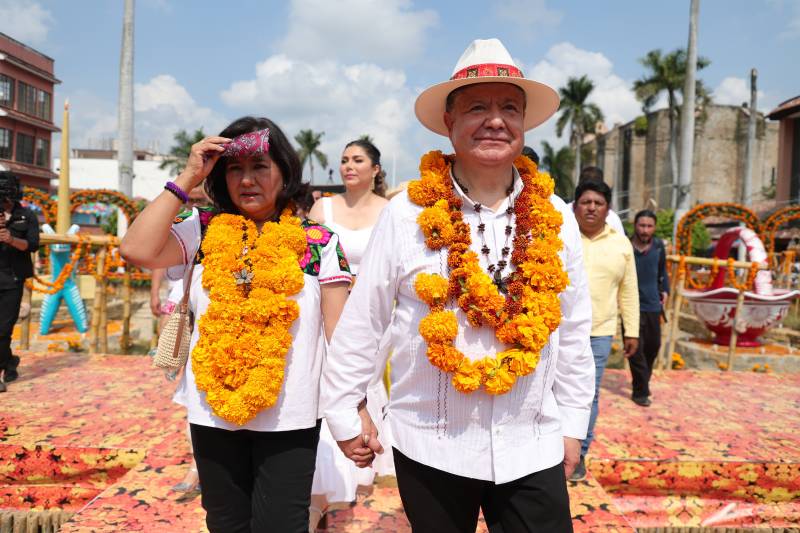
495,270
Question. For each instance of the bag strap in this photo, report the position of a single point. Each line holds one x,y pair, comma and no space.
183,308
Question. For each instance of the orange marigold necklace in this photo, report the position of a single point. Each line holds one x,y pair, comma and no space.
523,308
240,357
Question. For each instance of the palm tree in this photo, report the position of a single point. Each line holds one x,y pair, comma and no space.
309,143
559,165
179,153
582,116
667,73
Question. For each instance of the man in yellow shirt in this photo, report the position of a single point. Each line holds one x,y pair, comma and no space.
611,268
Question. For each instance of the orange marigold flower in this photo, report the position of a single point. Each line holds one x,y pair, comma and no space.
467,378
438,327
444,356
431,288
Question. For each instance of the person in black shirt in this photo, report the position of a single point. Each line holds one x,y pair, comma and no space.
19,236
651,271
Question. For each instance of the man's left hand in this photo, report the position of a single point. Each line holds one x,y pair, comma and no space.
572,455
5,236
631,345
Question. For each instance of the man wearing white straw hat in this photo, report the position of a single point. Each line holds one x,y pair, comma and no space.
492,373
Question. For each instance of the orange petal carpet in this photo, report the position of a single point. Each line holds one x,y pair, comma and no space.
99,436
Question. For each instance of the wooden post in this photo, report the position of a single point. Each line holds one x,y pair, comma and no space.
125,340
675,318
104,313
735,329
25,338
96,305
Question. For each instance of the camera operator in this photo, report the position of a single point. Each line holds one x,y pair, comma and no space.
19,236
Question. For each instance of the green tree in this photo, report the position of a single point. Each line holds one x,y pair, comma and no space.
309,142
179,153
701,238
666,73
581,115
559,164
366,137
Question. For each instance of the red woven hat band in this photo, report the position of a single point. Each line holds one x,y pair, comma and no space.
488,70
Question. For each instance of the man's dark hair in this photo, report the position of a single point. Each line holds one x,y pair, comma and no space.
590,173
9,186
282,154
645,213
593,185
531,154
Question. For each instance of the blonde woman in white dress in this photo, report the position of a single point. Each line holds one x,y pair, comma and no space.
352,215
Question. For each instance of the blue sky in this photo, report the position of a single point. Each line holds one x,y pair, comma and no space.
349,67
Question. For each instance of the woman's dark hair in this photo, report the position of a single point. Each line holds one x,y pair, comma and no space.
593,185
645,213
379,186
282,154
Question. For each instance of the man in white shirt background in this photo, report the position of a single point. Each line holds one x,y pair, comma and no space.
455,452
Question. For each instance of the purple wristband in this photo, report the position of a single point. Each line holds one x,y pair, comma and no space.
173,187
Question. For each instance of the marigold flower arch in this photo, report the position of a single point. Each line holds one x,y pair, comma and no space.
683,236
775,221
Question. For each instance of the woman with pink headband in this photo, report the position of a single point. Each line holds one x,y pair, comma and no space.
264,287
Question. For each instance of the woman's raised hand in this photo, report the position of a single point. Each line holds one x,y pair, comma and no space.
202,158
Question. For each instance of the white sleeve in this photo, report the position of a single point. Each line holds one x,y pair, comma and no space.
354,348
574,382
333,267
614,221
187,232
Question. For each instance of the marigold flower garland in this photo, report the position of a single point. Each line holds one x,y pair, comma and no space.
523,318
239,360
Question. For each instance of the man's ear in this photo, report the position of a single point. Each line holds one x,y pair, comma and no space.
448,122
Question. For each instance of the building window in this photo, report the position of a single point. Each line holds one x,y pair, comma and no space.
5,143
33,101
43,153
6,91
24,148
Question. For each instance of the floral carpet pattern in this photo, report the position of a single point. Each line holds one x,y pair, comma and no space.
99,436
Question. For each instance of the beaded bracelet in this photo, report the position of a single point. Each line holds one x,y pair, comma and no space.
179,193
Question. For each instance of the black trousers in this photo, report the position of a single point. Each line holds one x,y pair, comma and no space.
10,300
255,481
440,502
641,362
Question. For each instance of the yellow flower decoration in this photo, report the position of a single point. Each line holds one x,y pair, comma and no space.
239,360
524,318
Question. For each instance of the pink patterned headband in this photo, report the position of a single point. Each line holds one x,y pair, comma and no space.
248,144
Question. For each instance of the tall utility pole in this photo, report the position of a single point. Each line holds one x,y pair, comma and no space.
747,186
125,137
687,118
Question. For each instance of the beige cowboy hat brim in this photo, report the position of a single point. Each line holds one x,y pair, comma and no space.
541,101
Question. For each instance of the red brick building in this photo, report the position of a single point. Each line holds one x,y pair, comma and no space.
26,112
788,182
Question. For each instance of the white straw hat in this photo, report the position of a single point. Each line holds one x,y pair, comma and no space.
486,61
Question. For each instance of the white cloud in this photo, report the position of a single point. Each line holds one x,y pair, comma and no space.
25,21
612,94
527,14
344,101
162,106
387,31
734,91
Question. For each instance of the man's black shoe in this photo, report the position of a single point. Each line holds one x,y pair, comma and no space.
11,370
643,401
580,471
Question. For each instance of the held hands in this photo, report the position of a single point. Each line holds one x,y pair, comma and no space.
631,344
362,448
202,158
572,455
5,236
